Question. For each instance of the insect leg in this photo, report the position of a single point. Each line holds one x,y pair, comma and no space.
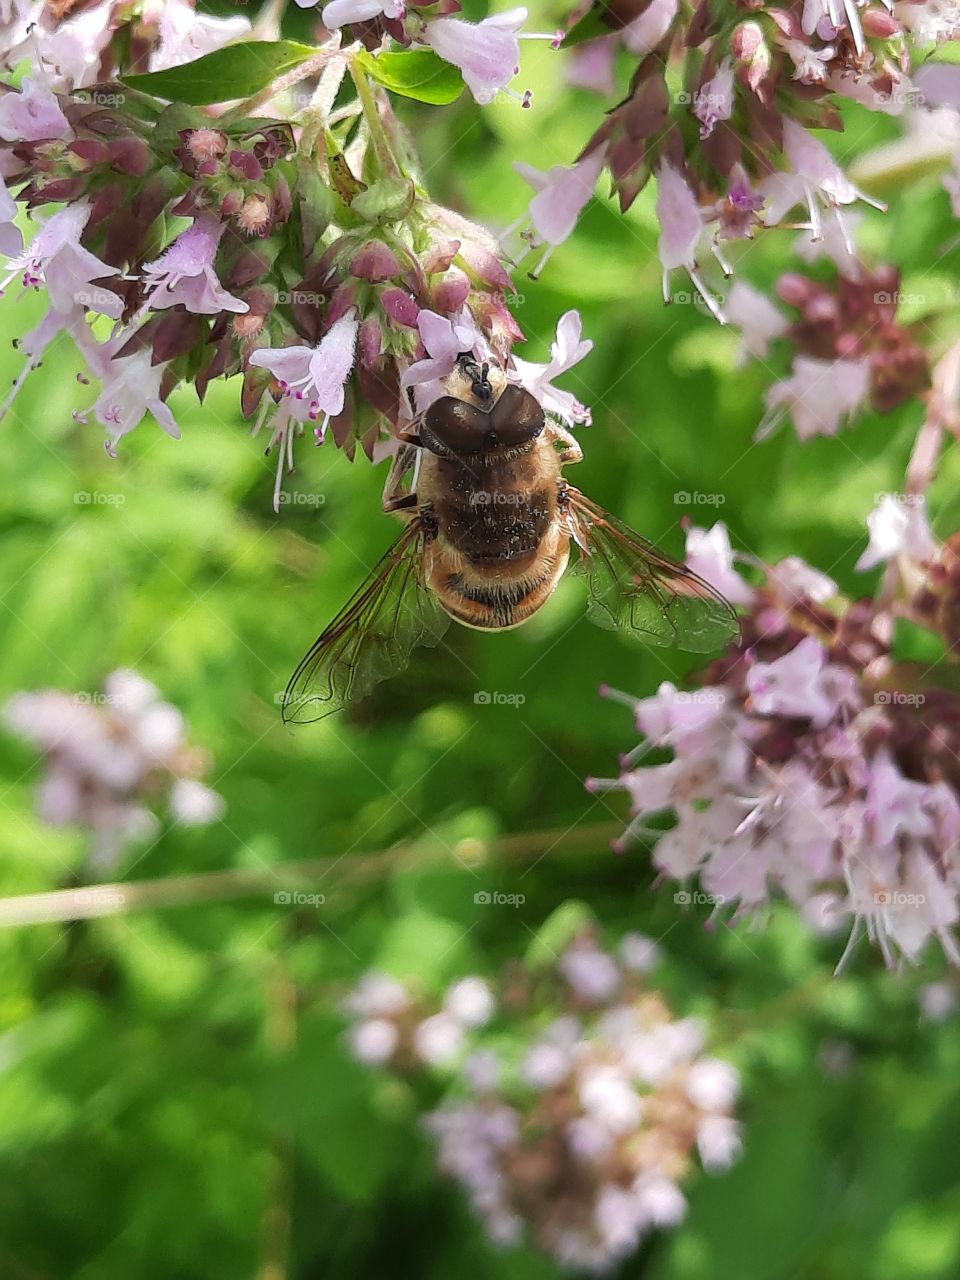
394,498
570,451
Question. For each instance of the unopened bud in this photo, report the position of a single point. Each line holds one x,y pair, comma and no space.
879,23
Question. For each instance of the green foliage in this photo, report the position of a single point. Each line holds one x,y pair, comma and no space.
415,73
237,71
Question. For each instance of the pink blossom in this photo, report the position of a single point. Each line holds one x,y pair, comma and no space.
710,555
313,379
186,35
591,65
338,13
713,101
132,389
818,395
898,527
793,685
33,114
569,349
644,33
681,229
562,195
444,340
184,274
487,52
70,54
757,318
815,176
57,260
11,241
313,385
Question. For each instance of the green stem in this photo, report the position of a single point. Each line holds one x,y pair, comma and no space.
121,898
378,135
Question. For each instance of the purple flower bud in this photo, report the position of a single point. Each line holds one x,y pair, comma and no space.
400,306
375,262
343,300
371,341
246,165
90,150
131,155
451,292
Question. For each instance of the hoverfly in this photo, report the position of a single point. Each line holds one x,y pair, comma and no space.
489,523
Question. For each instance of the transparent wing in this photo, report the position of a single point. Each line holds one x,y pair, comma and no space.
372,636
635,587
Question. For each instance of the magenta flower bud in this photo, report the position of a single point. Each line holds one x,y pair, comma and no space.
246,165
795,290
451,292
440,256
371,341
486,266
91,151
131,155
344,300
751,51
746,41
231,203
375,262
400,306
879,23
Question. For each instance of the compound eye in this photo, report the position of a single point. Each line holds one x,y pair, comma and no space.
455,426
516,417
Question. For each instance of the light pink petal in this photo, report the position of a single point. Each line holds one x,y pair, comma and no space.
681,222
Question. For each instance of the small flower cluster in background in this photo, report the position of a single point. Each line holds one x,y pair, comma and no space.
112,760
850,349
810,762
576,1100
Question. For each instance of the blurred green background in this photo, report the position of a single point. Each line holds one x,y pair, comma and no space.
175,1098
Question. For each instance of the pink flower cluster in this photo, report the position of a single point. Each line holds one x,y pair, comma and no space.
808,764
344,302
721,104
111,760
575,1133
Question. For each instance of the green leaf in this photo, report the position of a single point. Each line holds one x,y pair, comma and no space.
415,73
593,24
237,71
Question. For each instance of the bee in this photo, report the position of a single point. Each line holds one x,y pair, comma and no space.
489,525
